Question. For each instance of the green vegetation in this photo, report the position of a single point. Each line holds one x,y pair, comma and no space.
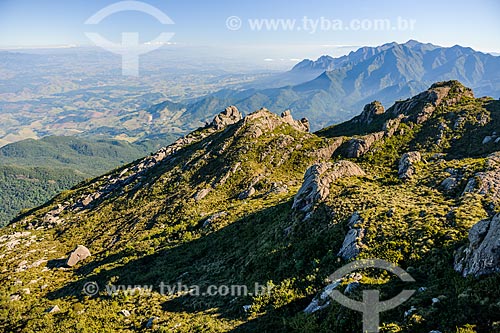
33,171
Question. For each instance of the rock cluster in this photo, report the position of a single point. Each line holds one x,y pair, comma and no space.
482,255
487,182
371,110
406,168
301,125
229,116
359,146
317,179
352,244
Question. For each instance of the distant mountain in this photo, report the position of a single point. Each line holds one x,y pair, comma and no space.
32,171
331,90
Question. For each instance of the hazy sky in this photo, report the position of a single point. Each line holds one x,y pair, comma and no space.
205,23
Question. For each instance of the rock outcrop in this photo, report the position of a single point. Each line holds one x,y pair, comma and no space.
229,116
359,146
487,182
79,254
420,108
301,125
371,110
482,255
317,179
352,244
406,168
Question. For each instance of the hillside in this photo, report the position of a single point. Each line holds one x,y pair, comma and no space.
260,199
33,171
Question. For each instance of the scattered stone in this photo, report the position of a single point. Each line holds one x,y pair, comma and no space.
247,193
151,322
487,139
482,255
201,194
79,254
435,300
351,287
277,188
15,297
54,309
450,184
487,183
213,218
125,313
406,168
359,146
410,311
322,300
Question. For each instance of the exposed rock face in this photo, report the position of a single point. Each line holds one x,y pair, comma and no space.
213,218
360,146
301,125
487,182
79,254
369,112
353,240
322,300
201,194
229,116
421,107
482,255
317,180
392,125
407,162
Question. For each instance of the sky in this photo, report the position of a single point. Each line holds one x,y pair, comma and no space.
301,28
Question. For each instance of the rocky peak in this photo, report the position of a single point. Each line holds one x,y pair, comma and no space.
421,107
301,125
369,112
229,116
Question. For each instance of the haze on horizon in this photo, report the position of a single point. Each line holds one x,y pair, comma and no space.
206,27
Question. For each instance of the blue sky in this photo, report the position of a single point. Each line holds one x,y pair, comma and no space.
203,23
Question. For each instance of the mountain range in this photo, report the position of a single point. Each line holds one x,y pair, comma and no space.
332,90
259,199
